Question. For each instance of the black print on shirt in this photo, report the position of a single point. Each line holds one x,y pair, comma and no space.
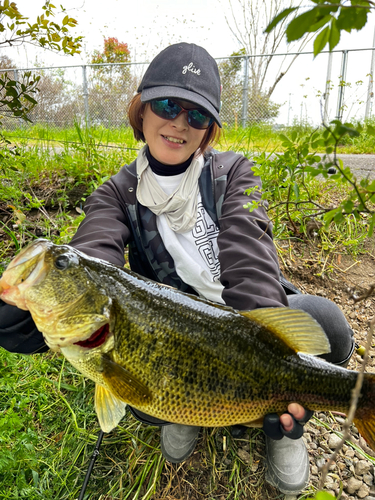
204,233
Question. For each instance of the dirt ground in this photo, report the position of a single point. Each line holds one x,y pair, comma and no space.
339,277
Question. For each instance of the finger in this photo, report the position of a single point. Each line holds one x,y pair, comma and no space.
306,417
297,410
300,413
296,432
272,427
287,421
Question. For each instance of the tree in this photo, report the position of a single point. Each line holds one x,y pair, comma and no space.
259,107
328,18
111,85
17,97
247,21
113,52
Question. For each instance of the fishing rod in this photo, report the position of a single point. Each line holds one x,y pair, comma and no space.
94,455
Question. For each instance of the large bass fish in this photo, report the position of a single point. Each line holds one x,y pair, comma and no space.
172,355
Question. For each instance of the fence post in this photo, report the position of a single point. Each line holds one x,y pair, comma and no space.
327,89
370,82
86,97
15,76
245,92
341,89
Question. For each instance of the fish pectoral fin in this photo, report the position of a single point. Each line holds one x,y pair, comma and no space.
123,384
296,328
109,409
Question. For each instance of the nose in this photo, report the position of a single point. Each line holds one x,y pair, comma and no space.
180,121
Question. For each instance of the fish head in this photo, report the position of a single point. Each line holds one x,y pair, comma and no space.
63,294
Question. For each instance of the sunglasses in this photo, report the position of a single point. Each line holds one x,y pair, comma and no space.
169,110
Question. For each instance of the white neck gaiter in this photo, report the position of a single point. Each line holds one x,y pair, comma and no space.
180,207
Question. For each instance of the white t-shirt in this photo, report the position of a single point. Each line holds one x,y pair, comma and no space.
195,253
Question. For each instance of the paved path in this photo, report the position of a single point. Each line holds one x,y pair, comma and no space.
360,165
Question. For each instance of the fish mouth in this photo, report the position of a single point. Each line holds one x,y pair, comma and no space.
24,271
97,338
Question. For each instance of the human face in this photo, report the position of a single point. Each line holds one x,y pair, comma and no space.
171,141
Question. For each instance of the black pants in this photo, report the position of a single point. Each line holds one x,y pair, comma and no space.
331,319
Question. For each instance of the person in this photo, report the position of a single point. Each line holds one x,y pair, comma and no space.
179,209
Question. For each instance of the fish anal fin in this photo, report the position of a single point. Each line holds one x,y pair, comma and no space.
296,328
123,384
109,409
254,423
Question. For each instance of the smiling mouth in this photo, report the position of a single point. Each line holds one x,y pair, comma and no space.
173,139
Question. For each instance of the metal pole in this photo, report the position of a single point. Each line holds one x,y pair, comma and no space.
245,92
342,86
16,78
85,97
327,89
94,455
370,83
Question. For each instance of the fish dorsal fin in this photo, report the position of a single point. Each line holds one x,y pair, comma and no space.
123,384
296,328
109,409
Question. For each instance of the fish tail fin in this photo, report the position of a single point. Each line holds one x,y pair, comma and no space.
367,429
364,418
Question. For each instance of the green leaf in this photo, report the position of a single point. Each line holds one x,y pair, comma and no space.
12,92
334,35
324,495
348,206
275,21
352,18
296,191
30,99
301,25
284,138
321,40
322,20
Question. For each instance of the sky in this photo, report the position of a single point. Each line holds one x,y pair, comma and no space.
146,25
150,25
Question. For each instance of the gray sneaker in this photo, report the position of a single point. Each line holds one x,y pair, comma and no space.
178,442
288,466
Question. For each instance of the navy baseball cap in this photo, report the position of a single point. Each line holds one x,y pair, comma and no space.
184,71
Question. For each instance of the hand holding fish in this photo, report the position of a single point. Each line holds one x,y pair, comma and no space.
288,424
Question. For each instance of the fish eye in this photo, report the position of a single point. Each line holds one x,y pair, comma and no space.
62,262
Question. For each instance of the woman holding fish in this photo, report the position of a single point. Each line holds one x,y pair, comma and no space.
179,209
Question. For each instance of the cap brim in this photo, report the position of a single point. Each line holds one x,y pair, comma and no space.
180,93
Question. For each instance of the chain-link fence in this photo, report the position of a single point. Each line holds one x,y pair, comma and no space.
336,85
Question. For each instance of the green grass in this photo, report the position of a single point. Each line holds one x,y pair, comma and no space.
256,138
43,134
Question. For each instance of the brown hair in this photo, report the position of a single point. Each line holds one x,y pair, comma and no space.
136,110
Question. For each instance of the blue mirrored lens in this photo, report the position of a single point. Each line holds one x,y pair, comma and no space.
198,120
166,109
169,110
